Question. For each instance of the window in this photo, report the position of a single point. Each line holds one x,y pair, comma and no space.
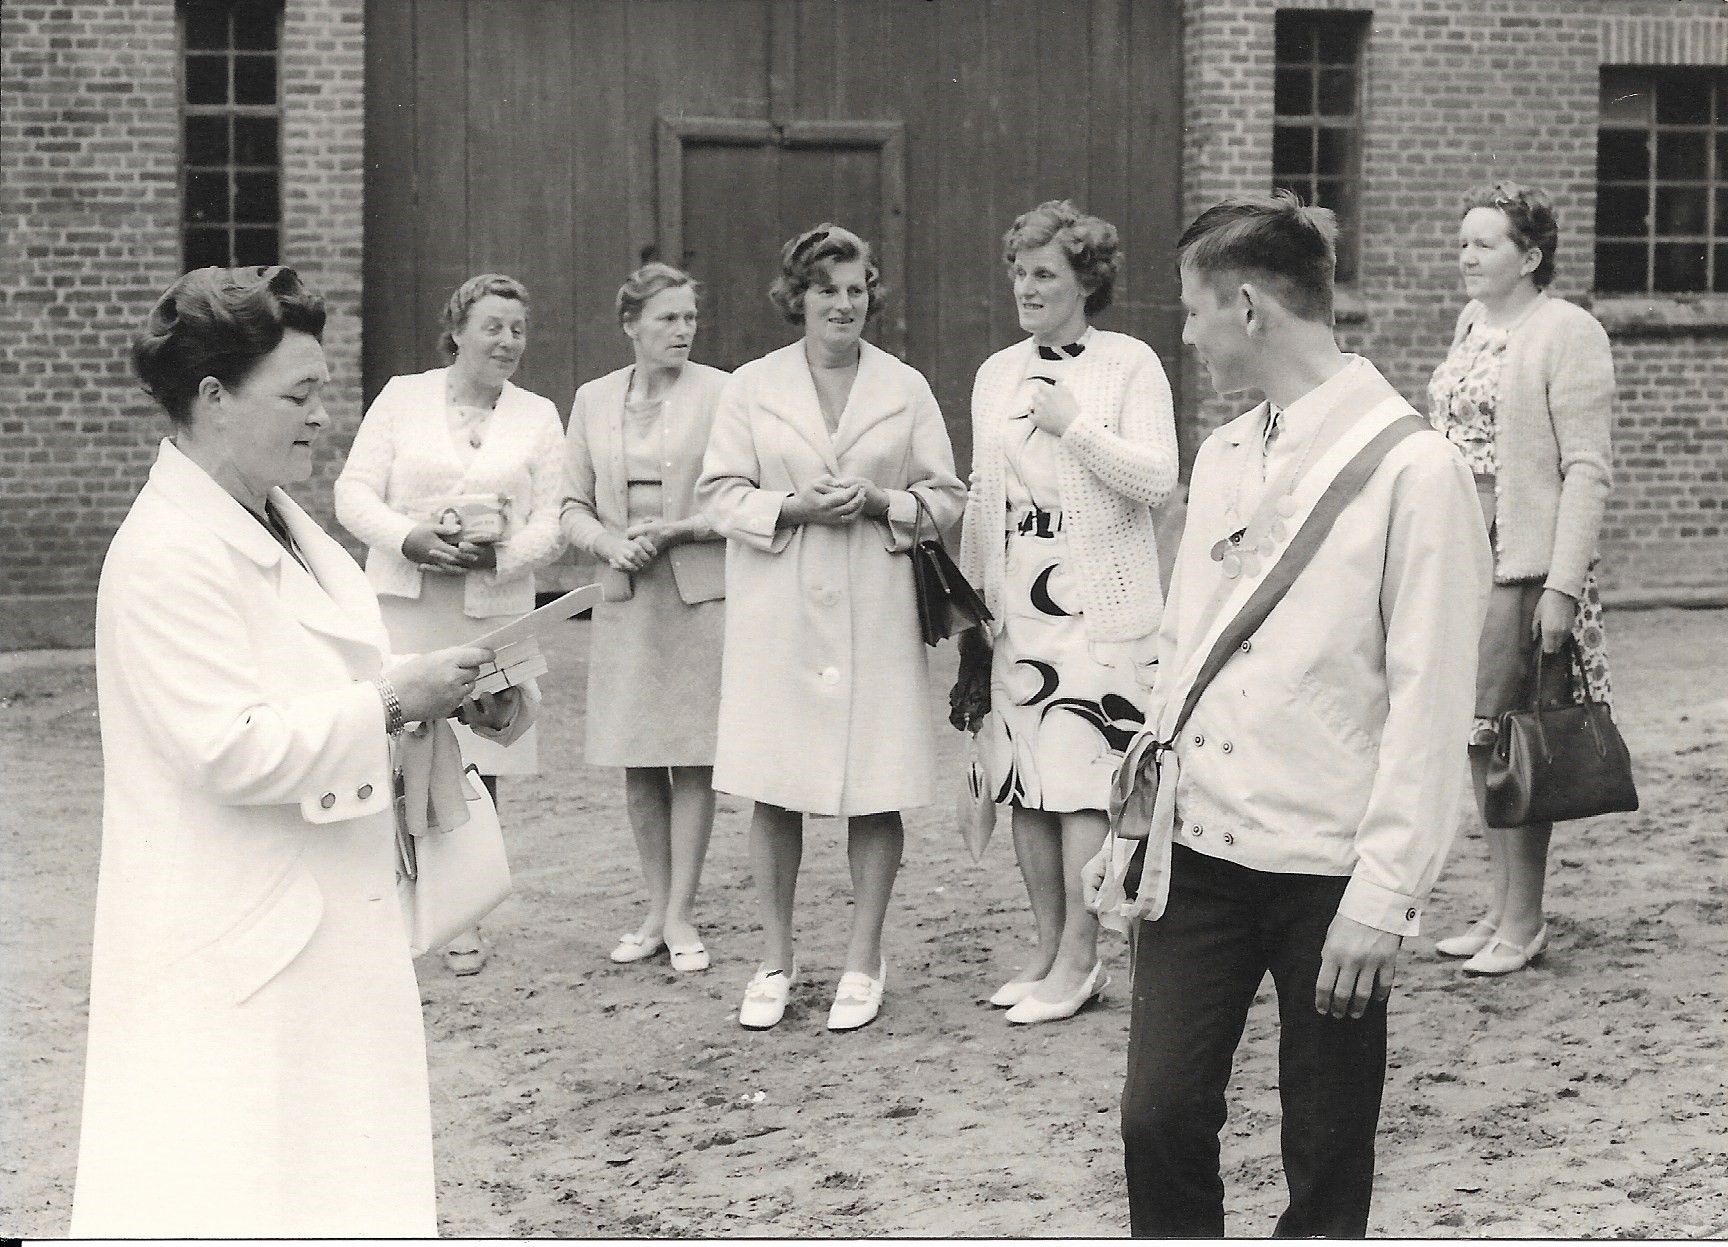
1317,118
231,130
1662,181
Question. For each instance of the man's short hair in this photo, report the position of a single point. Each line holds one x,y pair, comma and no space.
1274,240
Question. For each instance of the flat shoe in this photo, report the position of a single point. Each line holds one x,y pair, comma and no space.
463,962
633,947
1503,957
1473,941
1032,1010
1010,994
857,1000
690,959
765,998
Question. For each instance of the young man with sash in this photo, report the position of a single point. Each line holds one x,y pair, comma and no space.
1302,774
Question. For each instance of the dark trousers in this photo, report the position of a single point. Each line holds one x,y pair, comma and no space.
1196,971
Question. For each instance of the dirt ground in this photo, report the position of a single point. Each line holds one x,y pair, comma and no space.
573,1097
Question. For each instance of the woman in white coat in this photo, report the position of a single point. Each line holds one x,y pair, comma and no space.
257,1066
822,455
462,439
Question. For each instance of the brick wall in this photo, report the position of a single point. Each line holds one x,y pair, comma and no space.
1463,91
89,209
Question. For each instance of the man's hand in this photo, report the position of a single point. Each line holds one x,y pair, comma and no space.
1358,964
1092,878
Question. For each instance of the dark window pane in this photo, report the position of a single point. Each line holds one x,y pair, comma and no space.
207,195
1620,267
1293,94
254,79
206,140
1623,211
206,79
1332,151
255,28
205,247
256,246
1721,283
1331,193
1679,267
1626,96
1302,188
1622,155
1722,151
1337,92
256,140
1293,37
1682,209
256,200
1683,99
1721,230
1337,41
1292,150
1682,154
206,27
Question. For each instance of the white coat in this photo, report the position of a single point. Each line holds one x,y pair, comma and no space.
823,693
257,1065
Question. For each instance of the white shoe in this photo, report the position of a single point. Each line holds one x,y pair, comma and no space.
633,947
1471,942
857,1000
1504,957
1010,994
1032,1009
765,998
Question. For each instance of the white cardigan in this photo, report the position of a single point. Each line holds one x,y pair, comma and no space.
402,453
1115,463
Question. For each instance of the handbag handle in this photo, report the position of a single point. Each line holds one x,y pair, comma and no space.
1538,703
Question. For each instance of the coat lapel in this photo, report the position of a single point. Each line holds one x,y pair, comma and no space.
876,396
791,398
336,599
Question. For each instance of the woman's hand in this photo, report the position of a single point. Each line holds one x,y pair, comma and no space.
825,500
431,686
432,548
484,554
625,554
1054,408
661,534
492,711
1555,614
875,504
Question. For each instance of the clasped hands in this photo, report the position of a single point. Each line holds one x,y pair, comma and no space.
440,548
641,544
834,500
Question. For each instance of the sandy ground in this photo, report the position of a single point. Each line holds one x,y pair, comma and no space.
573,1097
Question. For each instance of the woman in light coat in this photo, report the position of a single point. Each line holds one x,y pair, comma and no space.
633,452
822,455
1074,444
257,1066
460,439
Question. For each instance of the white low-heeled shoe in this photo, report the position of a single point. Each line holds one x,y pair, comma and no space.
1010,994
1504,957
690,959
858,999
1031,1009
765,998
1471,942
633,947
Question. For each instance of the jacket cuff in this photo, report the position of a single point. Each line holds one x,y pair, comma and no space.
756,521
901,522
1381,908
397,527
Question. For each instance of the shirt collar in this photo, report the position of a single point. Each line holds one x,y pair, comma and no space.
1306,414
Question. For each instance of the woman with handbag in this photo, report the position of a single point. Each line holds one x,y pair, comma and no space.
632,455
823,455
460,438
257,1064
1074,444
1526,393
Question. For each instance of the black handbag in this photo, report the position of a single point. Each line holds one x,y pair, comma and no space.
947,604
1557,760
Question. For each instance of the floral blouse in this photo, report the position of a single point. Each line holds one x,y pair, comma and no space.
1464,393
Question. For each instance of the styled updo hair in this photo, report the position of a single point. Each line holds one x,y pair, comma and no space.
1091,244
465,296
648,281
219,322
807,259
1530,221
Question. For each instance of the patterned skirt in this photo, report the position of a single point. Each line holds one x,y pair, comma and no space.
1060,717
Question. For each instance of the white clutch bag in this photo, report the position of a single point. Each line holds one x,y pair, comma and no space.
447,881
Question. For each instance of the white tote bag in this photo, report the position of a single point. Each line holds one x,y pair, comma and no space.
448,881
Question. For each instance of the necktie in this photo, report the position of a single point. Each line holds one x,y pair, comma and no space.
1072,350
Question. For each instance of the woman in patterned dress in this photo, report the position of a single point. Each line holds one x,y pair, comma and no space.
1074,444
1526,394
632,455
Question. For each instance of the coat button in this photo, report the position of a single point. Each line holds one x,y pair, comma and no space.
1229,839
327,800
830,676
1247,647
1199,740
1227,746
1409,915
365,791
1196,830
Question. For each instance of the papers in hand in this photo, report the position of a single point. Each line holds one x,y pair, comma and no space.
516,656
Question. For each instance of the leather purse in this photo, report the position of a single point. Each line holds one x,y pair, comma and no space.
947,602
1557,760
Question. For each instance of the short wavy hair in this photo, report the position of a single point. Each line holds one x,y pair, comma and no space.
1276,239
1530,220
645,283
1092,245
219,322
810,256
465,296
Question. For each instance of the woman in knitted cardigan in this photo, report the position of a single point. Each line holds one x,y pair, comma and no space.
1525,393
1074,443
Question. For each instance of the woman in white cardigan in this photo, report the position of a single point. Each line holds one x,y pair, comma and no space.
454,482
1073,445
632,455
1527,395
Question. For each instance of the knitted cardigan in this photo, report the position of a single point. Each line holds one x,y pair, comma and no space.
1551,440
402,454
1115,463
